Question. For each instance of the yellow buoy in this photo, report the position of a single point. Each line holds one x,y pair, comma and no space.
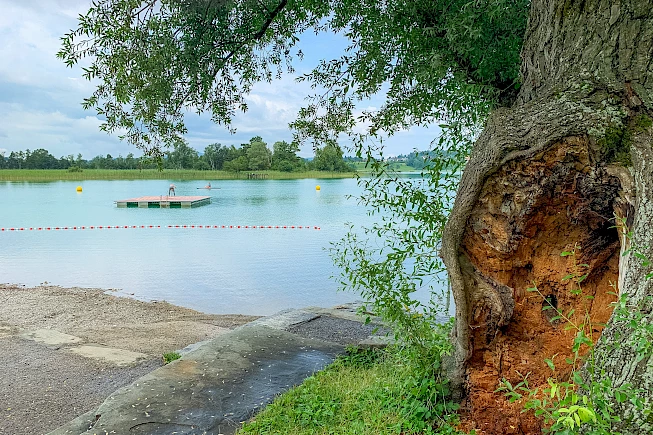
317,187
79,188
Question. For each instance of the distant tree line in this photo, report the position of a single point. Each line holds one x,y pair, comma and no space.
252,156
416,160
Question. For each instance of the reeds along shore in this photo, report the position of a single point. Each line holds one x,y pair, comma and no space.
154,174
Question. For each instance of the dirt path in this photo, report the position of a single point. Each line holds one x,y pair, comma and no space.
44,331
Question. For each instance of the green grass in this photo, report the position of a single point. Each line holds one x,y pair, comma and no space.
154,174
170,357
363,394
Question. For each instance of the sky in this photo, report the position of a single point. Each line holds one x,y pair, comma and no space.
40,98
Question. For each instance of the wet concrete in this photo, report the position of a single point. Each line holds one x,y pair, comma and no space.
211,390
220,383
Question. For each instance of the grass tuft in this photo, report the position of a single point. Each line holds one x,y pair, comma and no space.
170,357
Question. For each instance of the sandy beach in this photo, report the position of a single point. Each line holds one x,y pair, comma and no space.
65,350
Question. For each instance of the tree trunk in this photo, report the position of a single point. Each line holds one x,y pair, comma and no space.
548,175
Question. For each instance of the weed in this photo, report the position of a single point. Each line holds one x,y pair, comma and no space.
170,357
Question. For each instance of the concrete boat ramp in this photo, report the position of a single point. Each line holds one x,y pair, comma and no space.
218,384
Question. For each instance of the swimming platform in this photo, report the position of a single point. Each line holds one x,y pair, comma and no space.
164,201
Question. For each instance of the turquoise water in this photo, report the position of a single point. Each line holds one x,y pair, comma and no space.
249,271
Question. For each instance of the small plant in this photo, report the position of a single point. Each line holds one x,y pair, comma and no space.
170,357
75,169
634,315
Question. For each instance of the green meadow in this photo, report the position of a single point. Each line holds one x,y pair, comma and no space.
155,174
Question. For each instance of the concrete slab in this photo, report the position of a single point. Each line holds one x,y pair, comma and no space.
79,425
50,337
211,390
284,319
191,347
219,383
119,357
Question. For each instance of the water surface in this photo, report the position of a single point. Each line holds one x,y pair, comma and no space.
249,271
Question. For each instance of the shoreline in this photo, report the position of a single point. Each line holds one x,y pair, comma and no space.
66,349
41,175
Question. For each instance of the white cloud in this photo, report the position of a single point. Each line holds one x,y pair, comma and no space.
40,97
57,132
31,32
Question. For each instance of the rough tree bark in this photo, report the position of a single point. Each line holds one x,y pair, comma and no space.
542,178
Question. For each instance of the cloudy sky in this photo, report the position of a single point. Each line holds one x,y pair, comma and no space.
40,98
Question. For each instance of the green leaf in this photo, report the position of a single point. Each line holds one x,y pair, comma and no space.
620,396
550,364
586,415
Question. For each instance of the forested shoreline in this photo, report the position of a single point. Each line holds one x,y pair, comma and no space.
252,156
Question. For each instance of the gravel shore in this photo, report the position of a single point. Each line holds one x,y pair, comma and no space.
44,385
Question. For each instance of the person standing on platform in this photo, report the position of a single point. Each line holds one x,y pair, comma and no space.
171,190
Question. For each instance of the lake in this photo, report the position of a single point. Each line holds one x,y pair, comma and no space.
248,271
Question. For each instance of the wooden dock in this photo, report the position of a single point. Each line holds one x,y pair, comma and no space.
164,201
